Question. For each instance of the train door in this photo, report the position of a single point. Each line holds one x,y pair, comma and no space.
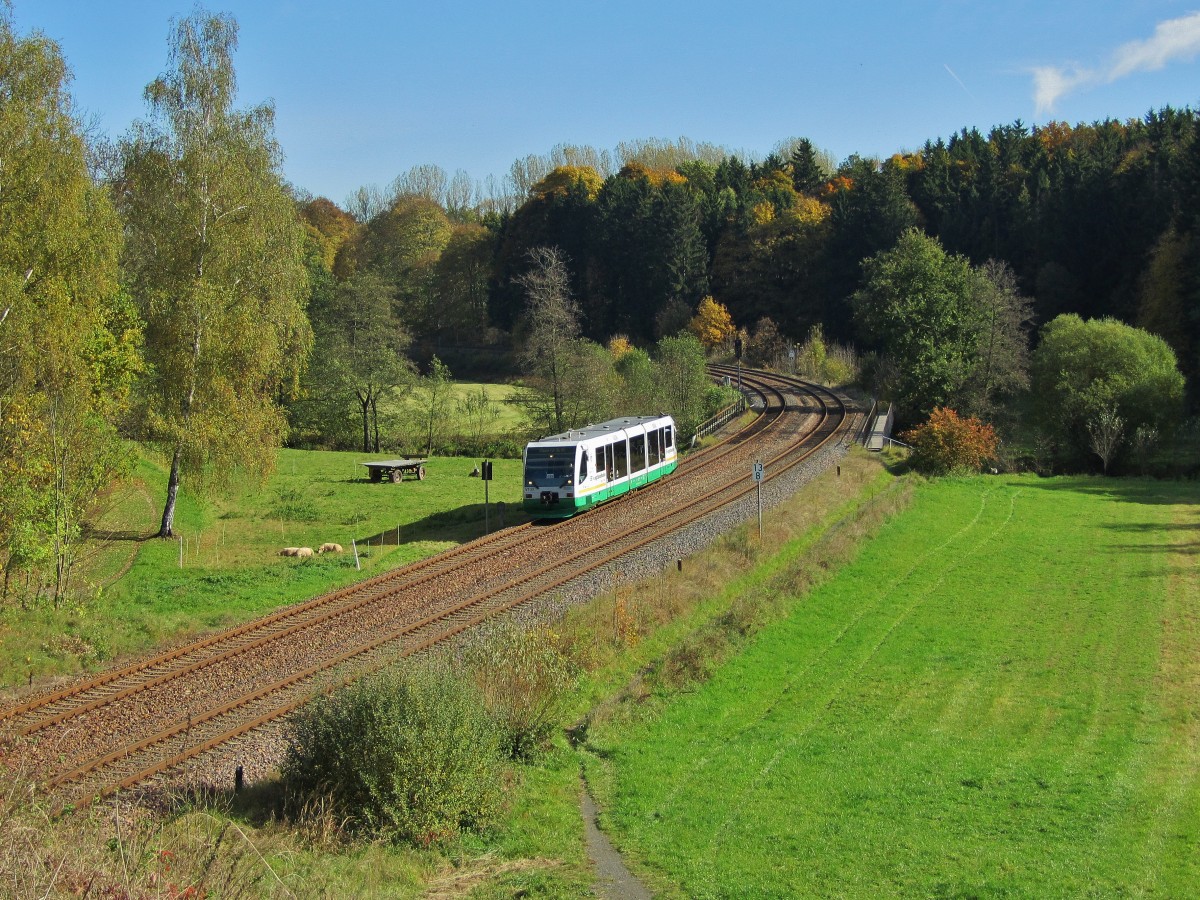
620,458
637,457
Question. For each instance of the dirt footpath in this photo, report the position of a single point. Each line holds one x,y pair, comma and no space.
613,880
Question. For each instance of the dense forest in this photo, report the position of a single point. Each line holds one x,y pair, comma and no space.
172,289
1097,219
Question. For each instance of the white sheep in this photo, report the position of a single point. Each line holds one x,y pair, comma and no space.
304,552
330,547
289,551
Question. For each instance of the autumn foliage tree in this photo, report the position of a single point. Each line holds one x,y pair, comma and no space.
948,443
68,336
712,324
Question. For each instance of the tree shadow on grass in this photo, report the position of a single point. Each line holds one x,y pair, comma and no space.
87,532
1190,549
459,525
1125,490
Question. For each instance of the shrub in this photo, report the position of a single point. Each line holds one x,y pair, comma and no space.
524,677
1083,369
413,755
691,660
947,443
828,363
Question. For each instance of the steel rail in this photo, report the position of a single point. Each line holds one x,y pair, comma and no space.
303,615
688,515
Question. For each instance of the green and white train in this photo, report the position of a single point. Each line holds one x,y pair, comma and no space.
570,472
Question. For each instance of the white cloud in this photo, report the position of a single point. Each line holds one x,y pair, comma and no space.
1174,39
1052,82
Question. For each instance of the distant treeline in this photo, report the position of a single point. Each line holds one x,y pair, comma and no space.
1096,219
173,290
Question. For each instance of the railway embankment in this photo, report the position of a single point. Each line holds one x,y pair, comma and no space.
626,634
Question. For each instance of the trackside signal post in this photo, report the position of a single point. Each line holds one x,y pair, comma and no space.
485,475
757,473
737,353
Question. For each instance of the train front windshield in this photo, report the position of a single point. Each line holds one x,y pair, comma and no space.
553,464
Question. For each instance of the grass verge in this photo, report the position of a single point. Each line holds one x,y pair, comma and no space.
997,697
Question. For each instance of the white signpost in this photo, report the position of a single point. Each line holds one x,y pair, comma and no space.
757,473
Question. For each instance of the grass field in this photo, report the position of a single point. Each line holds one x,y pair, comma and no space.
224,566
509,417
997,698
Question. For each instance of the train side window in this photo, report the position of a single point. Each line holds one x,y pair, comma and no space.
637,452
655,443
601,465
583,465
670,438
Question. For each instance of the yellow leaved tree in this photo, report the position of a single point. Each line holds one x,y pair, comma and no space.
712,323
619,345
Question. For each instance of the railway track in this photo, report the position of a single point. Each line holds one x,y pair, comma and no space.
124,726
44,710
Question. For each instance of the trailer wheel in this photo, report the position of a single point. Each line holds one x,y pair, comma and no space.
420,473
397,476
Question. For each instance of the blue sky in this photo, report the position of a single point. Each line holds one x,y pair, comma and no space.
365,90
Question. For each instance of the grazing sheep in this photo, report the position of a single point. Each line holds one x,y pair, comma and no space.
289,551
304,552
330,547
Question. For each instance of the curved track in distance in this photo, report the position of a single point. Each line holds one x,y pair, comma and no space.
126,725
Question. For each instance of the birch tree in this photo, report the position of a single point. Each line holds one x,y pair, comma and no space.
552,321
214,260
67,349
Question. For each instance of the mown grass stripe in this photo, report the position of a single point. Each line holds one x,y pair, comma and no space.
1006,720
780,683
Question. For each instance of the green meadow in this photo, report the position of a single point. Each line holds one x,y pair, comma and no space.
997,697
979,687
137,591
509,416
